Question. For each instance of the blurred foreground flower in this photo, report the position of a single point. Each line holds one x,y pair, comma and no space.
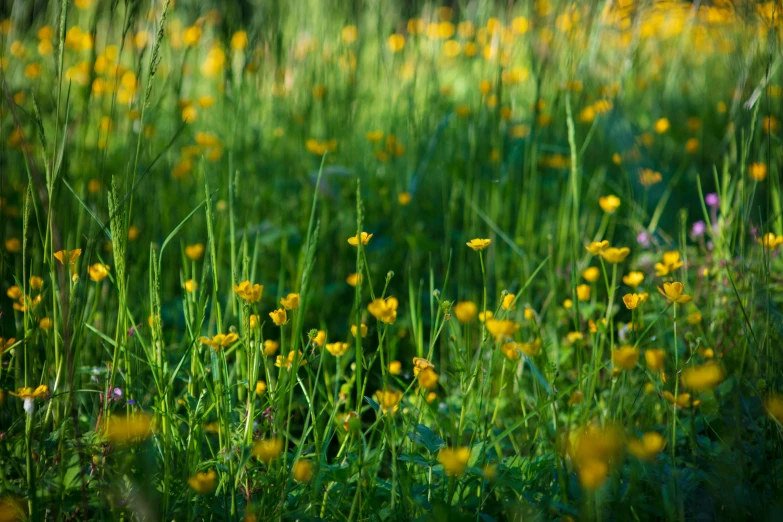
123,429
647,447
454,460
203,482
267,450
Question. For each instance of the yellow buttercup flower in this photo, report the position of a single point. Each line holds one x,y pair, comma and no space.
124,429
465,311
388,400
354,279
194,252
239,40
365,238
647,447
337,349
203,482
290,302
632,301
288,362
421,364
385,310
260,387
704,377
662,125
596,247
190,285
501,329
279,316
770,241
36,283
249,292
454,460
511,351
428,379
40,392
655,358
615,255
757,171
673,292
591,274
483,316
220,340
271,347
479,244
583,292
609,204
302,470
67,257
363,330
593,450
633,279
267,450
625,357
98,272
682,400
319,339
774,407
669,263
508,302
395,367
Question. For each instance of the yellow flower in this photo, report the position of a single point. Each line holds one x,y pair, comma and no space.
428,379
271,347
655,358
673,292
14,292
365,238
596,247
591,274
123,429
694,317
479,244
649,177
249,292
190,285
511,351
465,311
40,392
609,204
683,400
302,470
404,198
6,344
661,126
625,357
669,263
363,330
388,400
374,136
267,450
195,251
633,279
770,241
615,255
260,387
502,328
354,279
632,301
191,35
45,323
395,367
592,451
290,302
288,362
349,34
36,283
319,339
279,316
220,340
454,460
68,257
485,315
254,321
239,40
648,446
692,145
704,377
774,407
758,171
508,302
384,310
396,43
337,349
203,483
583,292
574,337
98,272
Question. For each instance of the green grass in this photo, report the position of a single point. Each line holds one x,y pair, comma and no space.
184,148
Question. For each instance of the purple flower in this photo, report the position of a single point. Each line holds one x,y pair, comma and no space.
711,199
698,229
131,402
643,239
117,393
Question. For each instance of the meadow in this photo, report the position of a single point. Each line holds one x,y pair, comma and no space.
375,260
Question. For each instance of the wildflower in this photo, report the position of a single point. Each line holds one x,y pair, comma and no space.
191,35
68,257
254,319
774,407
501,329
596,247
662,125
479,244
302,470
593,450
287,362
279,316
647,447
583,292
195,251
770,241
14,292
365,238
669,263
363,330
633,279
190,286
485,315
388,400
271,347
465,311
203,482
649,177
337,349
5,344
98,272
428,379
36,283
395,367
529,314
625,357
673,292
692,145
682,400
574,337
609,204
374,136
354,279
704,377
220,340
239,40
712,200
615,255
694,317
511,351
319,338
404,198
655,359
396,43
123,429
290,302
384,310
249,292
45,323
632,301
757,171
267,450
591,274
454,460
349,34
260,388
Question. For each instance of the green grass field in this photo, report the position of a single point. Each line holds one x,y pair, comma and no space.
390,260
